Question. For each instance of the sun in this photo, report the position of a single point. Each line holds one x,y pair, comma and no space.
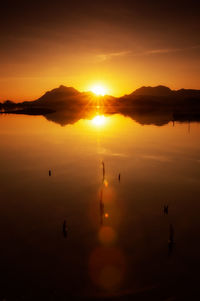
99,90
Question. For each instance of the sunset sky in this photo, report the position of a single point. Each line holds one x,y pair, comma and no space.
121,44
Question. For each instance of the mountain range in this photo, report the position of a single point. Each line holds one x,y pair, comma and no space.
68,96
66,104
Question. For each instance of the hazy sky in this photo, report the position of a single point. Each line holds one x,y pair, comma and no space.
120,43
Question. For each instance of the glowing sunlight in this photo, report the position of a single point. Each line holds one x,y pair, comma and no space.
99,120
99,90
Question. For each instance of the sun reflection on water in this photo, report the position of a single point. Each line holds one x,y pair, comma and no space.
99,120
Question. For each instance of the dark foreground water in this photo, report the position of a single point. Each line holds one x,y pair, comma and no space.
117,243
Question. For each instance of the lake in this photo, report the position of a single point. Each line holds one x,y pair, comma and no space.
110,180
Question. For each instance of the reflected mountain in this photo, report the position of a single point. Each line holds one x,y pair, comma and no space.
64,117
151,118
147,105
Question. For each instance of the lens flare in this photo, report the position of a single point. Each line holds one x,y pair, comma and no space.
107,267
107,235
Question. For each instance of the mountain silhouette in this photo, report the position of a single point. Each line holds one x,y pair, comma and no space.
153,91
61,91
163,91
147,105
61,97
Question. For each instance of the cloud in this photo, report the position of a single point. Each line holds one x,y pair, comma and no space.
108,56
168,50
160,51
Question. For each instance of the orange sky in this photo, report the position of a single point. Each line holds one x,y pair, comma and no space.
120,44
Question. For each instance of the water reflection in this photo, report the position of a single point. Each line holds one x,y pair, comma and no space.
166,209
171,240
107,267
65,229
99,120
98,116
104,172
120,236
101,207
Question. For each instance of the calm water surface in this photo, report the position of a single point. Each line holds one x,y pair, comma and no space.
117,242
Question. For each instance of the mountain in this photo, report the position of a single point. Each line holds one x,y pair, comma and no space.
161,98
162,91
188,93
153,91
61,96
61,91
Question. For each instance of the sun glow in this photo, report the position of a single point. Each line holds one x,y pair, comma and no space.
99,120
99,90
